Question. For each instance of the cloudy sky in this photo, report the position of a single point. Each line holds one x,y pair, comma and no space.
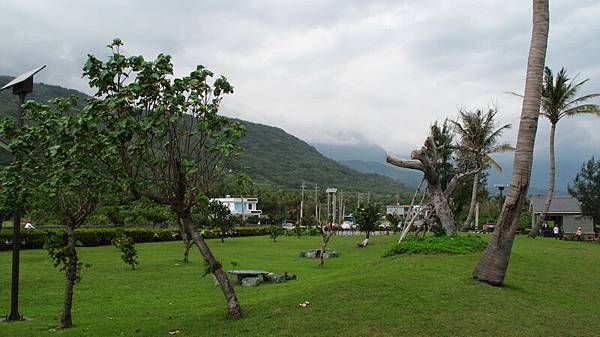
328,71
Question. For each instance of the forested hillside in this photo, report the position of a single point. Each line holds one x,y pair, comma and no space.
274,156
271,156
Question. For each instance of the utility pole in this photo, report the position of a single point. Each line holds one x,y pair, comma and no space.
333,212
319,213
331,201
357,200
302,202
368,197
342,207
316,201
328,206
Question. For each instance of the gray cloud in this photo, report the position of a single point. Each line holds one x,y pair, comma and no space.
327,71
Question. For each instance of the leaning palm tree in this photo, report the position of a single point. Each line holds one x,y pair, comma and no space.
558,101
493,264
478,140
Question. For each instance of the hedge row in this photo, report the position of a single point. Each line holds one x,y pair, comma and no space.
33,239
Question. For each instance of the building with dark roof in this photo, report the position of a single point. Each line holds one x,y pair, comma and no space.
565,211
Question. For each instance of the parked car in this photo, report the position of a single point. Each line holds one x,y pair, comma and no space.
349,223
386,226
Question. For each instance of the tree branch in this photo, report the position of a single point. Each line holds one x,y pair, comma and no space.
412,164
457,179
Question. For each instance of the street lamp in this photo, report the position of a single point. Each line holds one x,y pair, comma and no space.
500,188
21,86
331,202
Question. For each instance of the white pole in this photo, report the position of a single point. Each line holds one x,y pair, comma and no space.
302,202
477,215
333,208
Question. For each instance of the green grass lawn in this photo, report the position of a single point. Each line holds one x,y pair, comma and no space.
552,289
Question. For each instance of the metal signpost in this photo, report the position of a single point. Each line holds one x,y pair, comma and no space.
21,86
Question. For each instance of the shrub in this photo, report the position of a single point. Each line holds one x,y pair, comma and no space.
275,230
439,245
127,246
34,239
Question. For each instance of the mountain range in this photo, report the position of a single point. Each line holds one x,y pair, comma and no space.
371,159
270,155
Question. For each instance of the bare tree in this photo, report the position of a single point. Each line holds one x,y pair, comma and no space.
428,160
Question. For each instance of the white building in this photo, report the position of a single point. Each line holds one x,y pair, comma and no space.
401,210
237,205
404,210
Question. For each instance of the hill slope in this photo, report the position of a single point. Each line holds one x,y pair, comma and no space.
274,156
270,154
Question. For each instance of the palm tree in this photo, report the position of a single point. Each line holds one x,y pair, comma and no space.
494,262
557,102
479,139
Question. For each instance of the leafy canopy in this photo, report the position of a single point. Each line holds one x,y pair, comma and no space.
164,135
366,218
586,188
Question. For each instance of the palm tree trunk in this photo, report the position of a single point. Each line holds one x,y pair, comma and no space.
66,320
233,305
538,223
467,223
494,262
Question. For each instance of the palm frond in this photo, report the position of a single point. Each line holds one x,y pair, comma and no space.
514,94
582,99
502,148
489,160
583,109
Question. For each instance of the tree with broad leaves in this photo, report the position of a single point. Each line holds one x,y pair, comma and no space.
586,188
214,214
57,149
366,218
165,138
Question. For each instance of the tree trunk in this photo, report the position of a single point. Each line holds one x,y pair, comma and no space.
71,277
474,193
187,243
442,210
187,246
538,223
494,262
427,160
233,305
326,237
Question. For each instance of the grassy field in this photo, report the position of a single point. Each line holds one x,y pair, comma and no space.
551,290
